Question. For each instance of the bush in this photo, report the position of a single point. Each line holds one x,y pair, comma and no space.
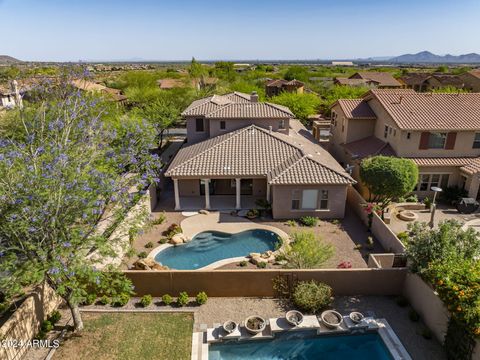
149,245
90,299
146,300
182,299
54,317
142,254
243,263
312,296
370,244
262,264
167,299
160,219
202,298
451,194
172,230
309,220
252,213
413,315
263,204
412,199
307,251
46,326
403,237
163,241
427,202
120,300
291,223
104,300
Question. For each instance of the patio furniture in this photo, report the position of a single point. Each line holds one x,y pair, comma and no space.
467,205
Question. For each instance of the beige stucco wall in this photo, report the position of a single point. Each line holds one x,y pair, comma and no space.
235,124
359,129
189,187
259,187
282,202
192,135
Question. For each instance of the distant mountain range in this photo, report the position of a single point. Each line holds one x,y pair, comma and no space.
428,57
8,60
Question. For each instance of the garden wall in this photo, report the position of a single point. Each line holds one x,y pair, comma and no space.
24,323
380,230
232,283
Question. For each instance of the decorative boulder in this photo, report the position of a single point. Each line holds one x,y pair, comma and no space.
178,239
204,212
140,265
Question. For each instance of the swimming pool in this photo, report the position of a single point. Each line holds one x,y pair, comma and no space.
211,246
304,346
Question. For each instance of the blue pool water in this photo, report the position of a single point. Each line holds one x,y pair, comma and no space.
210,246
301,346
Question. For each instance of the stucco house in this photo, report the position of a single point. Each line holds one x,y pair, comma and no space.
471,80
439,132
373,79
277,86
239,150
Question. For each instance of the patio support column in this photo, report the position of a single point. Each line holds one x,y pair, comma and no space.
474,186
207,193
177,195
237,188
268,192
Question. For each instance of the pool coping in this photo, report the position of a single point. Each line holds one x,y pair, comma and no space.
202,339
241,225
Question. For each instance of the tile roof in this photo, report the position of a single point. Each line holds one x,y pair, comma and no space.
469,165
382,78
430,111
448,80
254,151
282,82
356,109
353,82
369,146
236,105
475,72
412,79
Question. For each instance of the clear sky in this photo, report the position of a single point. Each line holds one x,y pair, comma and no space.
60,30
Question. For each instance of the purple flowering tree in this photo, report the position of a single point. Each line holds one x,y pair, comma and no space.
60,174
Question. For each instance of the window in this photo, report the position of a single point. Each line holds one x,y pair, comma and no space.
324,200
281,124
223,125
409,135
426,181
309,199
295,199
390,130
476,141
437,140
199,125
385,132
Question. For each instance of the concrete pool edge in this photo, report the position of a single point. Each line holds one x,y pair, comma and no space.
202,339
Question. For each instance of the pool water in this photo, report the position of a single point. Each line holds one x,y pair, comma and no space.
301,346
211,246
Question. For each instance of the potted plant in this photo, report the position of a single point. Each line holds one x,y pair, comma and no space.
252,213
230,326
356,317
294,317
331,318
255,324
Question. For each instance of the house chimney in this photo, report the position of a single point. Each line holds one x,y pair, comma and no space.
254,97
270,129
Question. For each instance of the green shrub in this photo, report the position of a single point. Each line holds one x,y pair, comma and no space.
182,299
146,300
309,220
46,326
291,223
401,301
202,298
413,315
403,236
262,264
104,300
307,251
120,300
370,244
312,296
451,194
90,299
167,299
412,199
252,213
54,317
163,241
263,204
172,230
142,254
149,245
427,202
243,263
160,219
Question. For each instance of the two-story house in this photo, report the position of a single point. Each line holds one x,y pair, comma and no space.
372,79
239,150
440,132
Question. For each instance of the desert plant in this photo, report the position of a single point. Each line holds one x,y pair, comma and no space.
201,298
307,251
451,194
163,240
427,202
120,300
142,254
252,213
262,264
104,300
46,326
182,299
167,299
264,205
291,223
312,296
403,236
358,247
412,199
54,317
160,219
243,263
336,222
172,230
149,245
370,243
280,287
309,220
146,300
90,299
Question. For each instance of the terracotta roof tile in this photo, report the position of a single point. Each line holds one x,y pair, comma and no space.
356,109
469,165
369,146
382,78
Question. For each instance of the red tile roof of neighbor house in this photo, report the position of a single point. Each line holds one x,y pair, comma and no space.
254,151
356,109
382,78
353,82
412,79
282,82
236,105
469,165
430,111
449,80
475,72
369,146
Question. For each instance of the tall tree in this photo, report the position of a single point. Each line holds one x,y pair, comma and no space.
161,115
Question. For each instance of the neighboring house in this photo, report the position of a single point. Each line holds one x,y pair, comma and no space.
167,84
202,83
240,150
440,81
471,80
277,86
90,86
415,81
439,132
382,80
11,97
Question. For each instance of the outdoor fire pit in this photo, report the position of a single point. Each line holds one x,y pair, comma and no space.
407,215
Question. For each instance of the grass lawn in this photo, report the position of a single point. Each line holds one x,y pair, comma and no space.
130,336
